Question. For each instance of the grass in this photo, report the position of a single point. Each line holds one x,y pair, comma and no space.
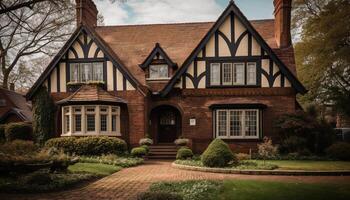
112,160
309,165
251,190
94,168
243,165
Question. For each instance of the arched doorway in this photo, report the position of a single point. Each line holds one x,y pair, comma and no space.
165,124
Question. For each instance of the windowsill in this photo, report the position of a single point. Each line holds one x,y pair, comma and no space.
158,79
238,138
90,134
233,86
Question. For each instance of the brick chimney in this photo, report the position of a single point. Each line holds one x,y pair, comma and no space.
86,12
282,22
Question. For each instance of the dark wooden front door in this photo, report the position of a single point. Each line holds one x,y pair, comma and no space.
167,126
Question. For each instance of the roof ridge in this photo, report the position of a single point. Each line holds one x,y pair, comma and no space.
175,23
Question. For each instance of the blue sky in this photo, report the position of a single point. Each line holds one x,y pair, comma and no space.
170,11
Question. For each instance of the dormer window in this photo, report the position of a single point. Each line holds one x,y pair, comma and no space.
85,72
158,71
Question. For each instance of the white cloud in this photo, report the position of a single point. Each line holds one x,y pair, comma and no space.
159,11
113,13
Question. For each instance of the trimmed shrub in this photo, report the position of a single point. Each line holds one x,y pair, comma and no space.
158,196
18,147
181,141
184,153
18,131
218,154
89,145
100,145
267,150
146,141
339,151
138,152
67,144
145,147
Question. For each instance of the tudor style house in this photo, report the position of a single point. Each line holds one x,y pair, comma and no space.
228,79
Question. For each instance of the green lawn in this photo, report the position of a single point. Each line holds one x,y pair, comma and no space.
253,190
309,165
94,168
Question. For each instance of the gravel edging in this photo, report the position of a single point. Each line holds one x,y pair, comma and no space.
263,172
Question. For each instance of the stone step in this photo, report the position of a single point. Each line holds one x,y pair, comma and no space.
161,157
162,147
162,153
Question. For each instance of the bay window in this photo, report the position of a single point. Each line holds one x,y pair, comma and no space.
85,72
232,74
237,123
91,120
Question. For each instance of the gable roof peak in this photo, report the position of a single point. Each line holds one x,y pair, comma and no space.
157,50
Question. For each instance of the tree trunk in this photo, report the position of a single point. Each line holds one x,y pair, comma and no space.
5,79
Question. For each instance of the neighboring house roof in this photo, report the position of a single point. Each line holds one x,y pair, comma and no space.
14,103
91,93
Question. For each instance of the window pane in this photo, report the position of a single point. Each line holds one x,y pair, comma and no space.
114,123
98,71
227,74
222,123
74,72
235,123
86,72
158,71
103,119
238,74
250,123
215,74
66,117
90,122
251,74
77,122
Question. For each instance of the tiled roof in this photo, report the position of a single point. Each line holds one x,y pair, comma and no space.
91,93
15,102
133,43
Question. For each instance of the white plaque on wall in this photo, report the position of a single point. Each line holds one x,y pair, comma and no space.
192,121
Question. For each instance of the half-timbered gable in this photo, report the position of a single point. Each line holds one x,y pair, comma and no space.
233,55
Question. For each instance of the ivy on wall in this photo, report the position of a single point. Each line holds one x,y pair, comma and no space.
43,116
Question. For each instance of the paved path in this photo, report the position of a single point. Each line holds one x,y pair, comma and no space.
127,183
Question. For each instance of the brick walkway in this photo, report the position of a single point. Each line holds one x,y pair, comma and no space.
127,183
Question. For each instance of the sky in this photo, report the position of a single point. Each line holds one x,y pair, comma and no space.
170,11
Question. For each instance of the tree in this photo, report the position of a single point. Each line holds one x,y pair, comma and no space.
37,30
43,116
322,53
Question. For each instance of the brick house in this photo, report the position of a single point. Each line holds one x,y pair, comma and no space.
226,79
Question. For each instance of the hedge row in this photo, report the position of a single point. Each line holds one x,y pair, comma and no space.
16,131
89,145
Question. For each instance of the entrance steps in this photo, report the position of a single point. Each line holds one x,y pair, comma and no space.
162,151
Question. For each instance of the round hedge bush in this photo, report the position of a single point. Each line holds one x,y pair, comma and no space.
18,131
184,153
146,141
339,151
138,152
218,154
89,145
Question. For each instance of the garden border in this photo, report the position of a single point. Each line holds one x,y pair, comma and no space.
263,172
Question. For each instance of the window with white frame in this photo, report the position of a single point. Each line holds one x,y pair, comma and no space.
233,74
85,72
77,118
215,74
158,71
251,74
91,120
237,123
